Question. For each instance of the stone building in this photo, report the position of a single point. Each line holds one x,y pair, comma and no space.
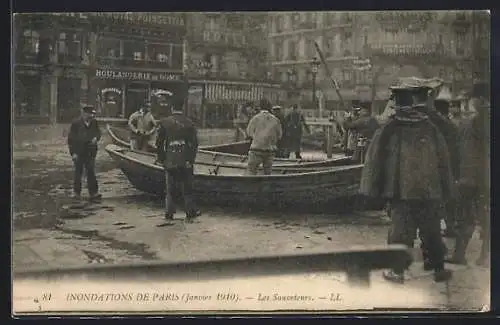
115,61
453,45
227,64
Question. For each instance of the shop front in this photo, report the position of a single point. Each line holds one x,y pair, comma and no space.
221,100
122,92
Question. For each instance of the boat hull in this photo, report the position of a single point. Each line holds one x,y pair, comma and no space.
328,188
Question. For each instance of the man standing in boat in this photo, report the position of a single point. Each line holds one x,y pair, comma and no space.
177,145
142,126
282,151
264,129
408,163
295,122
84,134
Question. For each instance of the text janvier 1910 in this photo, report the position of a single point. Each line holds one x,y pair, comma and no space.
189,297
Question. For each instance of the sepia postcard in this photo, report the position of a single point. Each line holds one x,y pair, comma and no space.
322,162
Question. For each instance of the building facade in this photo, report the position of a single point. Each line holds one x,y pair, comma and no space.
116,61
450,45
226,65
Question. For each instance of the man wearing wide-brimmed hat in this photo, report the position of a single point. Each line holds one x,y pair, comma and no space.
408,164
84,134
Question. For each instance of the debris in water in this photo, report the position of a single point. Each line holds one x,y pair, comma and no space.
127,227
329,238
165,224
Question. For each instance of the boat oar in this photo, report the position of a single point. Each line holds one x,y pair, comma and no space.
356,262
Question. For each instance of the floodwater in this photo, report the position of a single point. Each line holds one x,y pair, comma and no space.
52,230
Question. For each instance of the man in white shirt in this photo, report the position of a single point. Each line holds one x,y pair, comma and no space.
142,126
265,131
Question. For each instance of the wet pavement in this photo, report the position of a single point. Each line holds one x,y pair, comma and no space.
50,229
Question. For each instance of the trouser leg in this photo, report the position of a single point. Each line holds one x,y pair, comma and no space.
402,230
89,164
254,160
170,180
187,192
429,225
267,162
77,175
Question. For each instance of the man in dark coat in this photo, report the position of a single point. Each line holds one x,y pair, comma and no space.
282,151
177,145
443,110
84,134
473,202
365,127
295,121
408,163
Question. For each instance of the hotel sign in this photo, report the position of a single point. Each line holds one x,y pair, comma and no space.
137,75
131,17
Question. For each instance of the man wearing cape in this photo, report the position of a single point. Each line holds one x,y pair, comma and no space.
408,164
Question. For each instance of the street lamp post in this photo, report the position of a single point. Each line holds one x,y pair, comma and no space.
292,78
205,67
314,70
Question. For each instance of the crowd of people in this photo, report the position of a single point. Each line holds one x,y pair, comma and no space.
426,164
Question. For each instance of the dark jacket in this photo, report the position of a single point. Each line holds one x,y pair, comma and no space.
295,121
474,152
408,161
177,141
80,136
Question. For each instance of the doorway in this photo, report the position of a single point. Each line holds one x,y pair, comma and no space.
137,95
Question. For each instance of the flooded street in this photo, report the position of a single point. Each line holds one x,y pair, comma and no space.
50,229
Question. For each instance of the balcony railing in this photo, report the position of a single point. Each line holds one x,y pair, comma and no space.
414,50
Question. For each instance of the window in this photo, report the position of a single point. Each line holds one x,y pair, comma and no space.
29,45
176,57
279,51
460,44
31,42
162,57
292,50
69,47
279,24
134,50
109,48
27,95
330,18
234,21
137,56
347,36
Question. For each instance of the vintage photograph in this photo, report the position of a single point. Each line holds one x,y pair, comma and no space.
234,162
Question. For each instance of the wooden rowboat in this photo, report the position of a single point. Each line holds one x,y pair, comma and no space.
318,188
233,154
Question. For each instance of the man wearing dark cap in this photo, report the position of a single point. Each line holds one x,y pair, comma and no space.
264,129
84,134
295,123
282,151
142,126
177,145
